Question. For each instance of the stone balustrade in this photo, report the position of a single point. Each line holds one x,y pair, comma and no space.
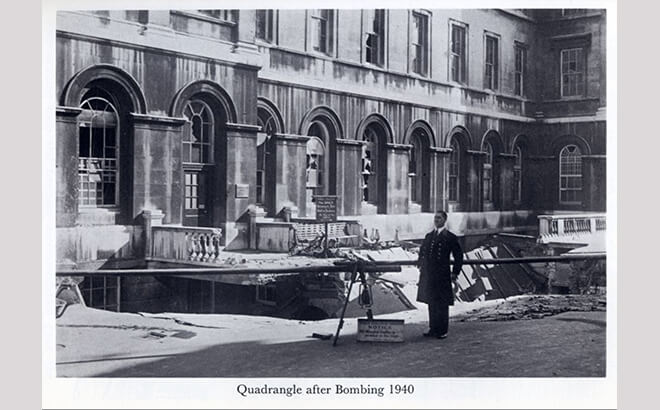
574,228
186,243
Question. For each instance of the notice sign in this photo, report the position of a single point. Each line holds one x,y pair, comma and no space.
242,191
326,208
380,330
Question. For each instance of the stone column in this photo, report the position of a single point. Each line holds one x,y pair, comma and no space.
503,182
157,166
594,182
240,170
349,176
66,166
439,158
290,175
398,158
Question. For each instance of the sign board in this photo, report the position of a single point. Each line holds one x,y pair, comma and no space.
380,330
242,191
326,208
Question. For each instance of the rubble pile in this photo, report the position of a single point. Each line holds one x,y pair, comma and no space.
534,307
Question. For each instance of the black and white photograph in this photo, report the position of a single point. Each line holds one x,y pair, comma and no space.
353,202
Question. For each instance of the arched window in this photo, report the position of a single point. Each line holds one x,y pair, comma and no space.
453,173
315,163
570,175
517,174
487,178
268,128
98,151
198,135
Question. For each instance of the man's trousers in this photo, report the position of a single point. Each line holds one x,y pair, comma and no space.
438,318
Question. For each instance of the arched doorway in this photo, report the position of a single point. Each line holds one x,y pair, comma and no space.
420,137
198,147
207,109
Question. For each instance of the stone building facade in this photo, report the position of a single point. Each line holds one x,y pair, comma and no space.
209,117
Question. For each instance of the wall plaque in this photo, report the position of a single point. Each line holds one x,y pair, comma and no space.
242,191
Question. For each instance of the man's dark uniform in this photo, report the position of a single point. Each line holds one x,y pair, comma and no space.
435,277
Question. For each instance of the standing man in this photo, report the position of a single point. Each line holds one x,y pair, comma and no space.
436,275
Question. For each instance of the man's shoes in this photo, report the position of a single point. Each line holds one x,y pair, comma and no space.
442,336
430,334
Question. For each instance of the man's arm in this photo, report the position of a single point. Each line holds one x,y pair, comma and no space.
457,253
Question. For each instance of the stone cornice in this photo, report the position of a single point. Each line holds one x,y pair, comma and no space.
232,126
158,119
291,137
398,147
64,111
350,142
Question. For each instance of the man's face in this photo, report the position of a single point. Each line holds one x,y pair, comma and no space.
439,220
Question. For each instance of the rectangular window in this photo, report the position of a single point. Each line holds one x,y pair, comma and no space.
520,69
101,292
375,37
419,43
572,72
225,15
322,34
139,16
458,53
266,294
492,63
265,25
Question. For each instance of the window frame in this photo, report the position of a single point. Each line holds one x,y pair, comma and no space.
487,173
581,58
228,15
463,58
520,72
316,16
117,155
517,174
209,144
562,175
424,46
269,22
454,158
495,66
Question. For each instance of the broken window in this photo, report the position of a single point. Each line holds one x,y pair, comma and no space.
570,175
375,37
268,128
315,156
198,133
98,151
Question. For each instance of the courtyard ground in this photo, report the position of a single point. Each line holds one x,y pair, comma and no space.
524,336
